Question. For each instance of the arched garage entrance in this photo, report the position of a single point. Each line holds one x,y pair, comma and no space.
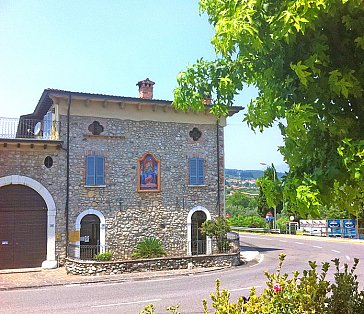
23,227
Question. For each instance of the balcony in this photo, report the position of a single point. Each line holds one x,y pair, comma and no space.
21,131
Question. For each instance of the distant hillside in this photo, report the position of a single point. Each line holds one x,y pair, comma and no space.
247,174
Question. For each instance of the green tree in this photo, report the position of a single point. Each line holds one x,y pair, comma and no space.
270,190
239,203
306,59
238,199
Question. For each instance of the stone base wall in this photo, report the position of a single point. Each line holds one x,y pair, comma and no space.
94,268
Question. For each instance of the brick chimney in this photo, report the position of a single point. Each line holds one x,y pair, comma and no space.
146,88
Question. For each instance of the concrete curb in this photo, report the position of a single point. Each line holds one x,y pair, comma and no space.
107,278
250,256
49,280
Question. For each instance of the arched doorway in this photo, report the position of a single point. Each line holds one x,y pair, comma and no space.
194,234
198,240
23,227
89,236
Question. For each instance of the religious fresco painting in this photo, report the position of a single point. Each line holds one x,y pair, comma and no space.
148,173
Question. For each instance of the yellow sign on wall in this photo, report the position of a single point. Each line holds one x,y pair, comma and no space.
74,236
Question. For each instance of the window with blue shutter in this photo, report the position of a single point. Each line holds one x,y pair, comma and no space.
196,171
95,170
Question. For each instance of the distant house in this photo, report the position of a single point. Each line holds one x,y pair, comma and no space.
85,173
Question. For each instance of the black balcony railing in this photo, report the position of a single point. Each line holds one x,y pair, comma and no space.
85,252
15,128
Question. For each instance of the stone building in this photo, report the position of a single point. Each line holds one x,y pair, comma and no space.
88,173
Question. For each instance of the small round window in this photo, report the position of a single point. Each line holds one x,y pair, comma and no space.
48,161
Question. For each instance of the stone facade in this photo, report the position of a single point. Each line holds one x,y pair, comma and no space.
130,129
131,215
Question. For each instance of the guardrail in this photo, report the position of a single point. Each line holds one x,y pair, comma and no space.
323,232
247,229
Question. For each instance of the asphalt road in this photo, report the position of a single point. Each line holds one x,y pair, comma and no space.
131,297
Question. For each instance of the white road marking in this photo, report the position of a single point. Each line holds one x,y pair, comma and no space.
299,243
72,285
318,247
242,289
164,279
347,257
283,241
335,251
126,303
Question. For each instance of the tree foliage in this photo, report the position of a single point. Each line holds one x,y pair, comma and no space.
270,190
306,59
239,203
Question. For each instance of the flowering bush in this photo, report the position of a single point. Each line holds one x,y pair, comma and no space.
310,293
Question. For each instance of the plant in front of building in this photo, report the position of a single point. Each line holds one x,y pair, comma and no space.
150,309
149,247
345,291
306,293
217,229
106,256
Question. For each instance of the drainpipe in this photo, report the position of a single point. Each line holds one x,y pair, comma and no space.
218,167
68,171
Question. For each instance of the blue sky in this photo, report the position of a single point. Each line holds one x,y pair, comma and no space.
107,47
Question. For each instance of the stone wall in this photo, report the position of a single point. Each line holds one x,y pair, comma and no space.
93,268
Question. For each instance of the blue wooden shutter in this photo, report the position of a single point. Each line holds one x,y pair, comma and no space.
99,170
200,171
196,171
193,171
90,170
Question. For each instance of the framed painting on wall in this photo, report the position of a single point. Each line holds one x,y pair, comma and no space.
148,173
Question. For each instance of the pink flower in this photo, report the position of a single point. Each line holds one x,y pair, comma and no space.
277,287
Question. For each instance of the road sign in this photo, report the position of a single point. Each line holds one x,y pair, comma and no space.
269,217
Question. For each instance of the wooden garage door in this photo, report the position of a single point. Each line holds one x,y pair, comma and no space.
23,227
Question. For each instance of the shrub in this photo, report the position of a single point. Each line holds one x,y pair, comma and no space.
107,256
217,229
345,291
248,221
281,224
309,294
149,247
